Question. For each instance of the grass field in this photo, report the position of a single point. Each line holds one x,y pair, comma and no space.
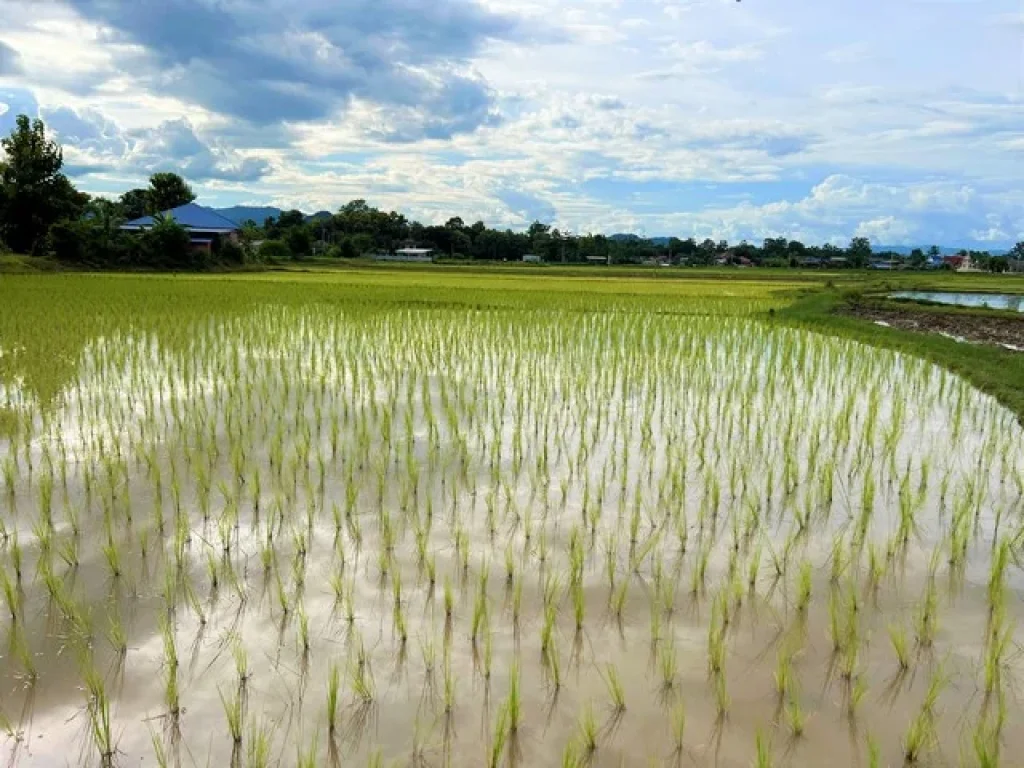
463,517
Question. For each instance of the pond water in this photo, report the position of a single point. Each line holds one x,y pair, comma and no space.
1010,301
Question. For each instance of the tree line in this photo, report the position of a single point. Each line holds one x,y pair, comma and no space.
42,213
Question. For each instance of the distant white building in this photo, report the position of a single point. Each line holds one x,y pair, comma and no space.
407,254
532,258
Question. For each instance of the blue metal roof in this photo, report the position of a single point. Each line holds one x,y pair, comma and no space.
190,216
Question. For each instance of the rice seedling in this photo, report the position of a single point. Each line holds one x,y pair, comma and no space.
101,728
803,593
258,744
795,717
361,678
309,757
234,714
499,736
588,729
615,689
333,691
918,737
763,750
898,638
721,696
785,679
668,666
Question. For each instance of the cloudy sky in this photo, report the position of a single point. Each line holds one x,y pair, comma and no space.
901,120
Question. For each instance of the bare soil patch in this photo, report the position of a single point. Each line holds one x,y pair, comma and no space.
1006,332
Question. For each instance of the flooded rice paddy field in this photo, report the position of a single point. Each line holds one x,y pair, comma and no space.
311,536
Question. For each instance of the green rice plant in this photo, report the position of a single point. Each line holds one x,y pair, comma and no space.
615,690
898,637
588,729
997,574
449,599
547,632
480,617
333,691
679,726
68,552
721,696
655,617
571,758
668,665
172,694
918,738
803,590
98,707
241,658
999,640
874,752
15,554
258,745
926,617
449,687
753,568
159,750
985,745
857,692
499,737
116,635
11,594
578,605
763,750
785,679
514,702
936,683
234,714
310,756
361,679
795,717
517,600
619,600
19,649
552,663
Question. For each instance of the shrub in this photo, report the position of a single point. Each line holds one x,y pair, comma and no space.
167,244
299,242
232,253
274,250
87,242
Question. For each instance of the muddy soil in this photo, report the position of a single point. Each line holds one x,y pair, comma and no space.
1005,332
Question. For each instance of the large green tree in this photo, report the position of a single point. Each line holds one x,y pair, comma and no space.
135,203
34,194
168,190
859,251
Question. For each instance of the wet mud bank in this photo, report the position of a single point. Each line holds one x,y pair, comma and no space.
1004,332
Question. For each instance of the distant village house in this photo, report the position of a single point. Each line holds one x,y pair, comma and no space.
204,225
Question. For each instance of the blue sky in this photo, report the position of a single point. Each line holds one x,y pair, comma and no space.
901,120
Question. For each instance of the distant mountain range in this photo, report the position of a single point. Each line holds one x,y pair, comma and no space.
242,213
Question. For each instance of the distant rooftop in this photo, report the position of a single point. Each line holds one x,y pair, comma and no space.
190,216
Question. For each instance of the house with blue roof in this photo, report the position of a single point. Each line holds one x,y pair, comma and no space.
204,225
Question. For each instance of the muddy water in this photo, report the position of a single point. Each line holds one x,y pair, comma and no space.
313,469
